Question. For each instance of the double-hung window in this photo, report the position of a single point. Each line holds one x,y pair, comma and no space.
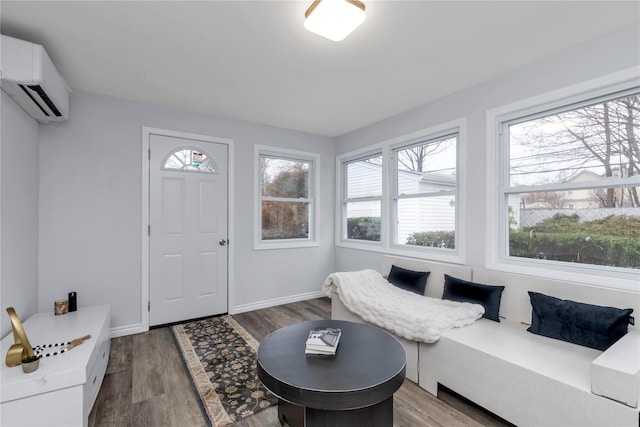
570,185
362,201
401,196
286,198
424,192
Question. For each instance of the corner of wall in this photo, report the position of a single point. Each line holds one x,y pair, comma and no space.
19,192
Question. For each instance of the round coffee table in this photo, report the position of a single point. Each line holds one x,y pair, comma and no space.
352,388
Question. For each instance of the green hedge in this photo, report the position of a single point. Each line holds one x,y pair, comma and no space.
612,241
364,228
613,225
434,239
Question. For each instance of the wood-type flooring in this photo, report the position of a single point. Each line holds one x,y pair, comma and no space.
146,383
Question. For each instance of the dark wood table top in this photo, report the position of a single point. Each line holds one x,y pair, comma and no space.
368,367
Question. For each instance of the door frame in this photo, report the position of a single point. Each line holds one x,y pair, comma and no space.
144,226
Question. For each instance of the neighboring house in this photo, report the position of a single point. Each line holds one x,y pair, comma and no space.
420,214
583,202
582,199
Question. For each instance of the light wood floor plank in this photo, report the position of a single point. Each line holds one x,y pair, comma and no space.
121,354
147,375
152,412
147,384
177,385
113,404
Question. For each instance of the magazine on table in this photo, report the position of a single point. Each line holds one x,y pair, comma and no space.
323,341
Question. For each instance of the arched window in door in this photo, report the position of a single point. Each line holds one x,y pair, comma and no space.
189,159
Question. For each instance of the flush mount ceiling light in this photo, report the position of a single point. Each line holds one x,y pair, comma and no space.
334,19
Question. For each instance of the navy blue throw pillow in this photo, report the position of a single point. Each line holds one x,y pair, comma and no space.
488,296
587,325
409,280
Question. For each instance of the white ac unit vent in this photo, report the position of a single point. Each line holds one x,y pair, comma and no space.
29,77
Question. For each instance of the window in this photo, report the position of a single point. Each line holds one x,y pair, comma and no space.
425,191
285,198
569,191
362,204
401,196
189,159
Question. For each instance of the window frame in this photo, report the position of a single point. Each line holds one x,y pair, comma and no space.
184,168
312,198
344,200
395,197
498,174
386,244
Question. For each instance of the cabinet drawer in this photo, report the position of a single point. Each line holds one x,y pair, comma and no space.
96,374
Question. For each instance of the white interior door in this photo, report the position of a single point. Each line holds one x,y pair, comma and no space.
188,229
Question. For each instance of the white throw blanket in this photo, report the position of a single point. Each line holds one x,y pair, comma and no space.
406,314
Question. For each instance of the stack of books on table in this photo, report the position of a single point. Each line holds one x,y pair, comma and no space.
323,341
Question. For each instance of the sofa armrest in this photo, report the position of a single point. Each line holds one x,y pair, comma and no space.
616,372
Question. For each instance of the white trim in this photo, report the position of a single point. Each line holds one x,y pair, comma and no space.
146,221
132,329
314,188
462,179
565,186
285,244
144,279
231,221
275,301
495,240
386,235
423,253
600,86
386,245
340,208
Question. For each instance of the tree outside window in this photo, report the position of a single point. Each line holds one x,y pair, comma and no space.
425,193
572,183
285,197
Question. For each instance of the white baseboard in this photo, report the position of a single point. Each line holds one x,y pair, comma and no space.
274,302
137,328
121,331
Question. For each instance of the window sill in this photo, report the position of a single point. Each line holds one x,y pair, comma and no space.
598,276
284,245
449,256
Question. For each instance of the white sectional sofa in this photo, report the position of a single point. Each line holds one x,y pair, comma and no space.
527,379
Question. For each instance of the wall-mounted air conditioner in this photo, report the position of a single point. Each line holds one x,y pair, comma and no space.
28,76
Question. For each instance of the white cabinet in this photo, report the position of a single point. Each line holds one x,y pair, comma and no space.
63,389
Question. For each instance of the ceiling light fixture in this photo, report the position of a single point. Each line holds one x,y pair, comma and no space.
334,19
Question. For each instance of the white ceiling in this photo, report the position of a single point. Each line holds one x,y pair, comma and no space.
253,60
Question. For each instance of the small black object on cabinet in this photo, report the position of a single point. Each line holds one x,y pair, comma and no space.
73,301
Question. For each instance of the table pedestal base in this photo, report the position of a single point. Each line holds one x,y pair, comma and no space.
378,415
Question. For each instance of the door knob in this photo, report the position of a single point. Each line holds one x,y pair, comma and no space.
223,242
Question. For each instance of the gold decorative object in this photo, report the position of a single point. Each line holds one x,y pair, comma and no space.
21,349
77,341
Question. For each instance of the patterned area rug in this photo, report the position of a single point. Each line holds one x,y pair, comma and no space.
220,356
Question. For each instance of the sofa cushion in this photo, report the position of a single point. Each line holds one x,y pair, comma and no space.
409,280
588,325
486,295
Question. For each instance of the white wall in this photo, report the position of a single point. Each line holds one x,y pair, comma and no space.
612,53
19,213
90,207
